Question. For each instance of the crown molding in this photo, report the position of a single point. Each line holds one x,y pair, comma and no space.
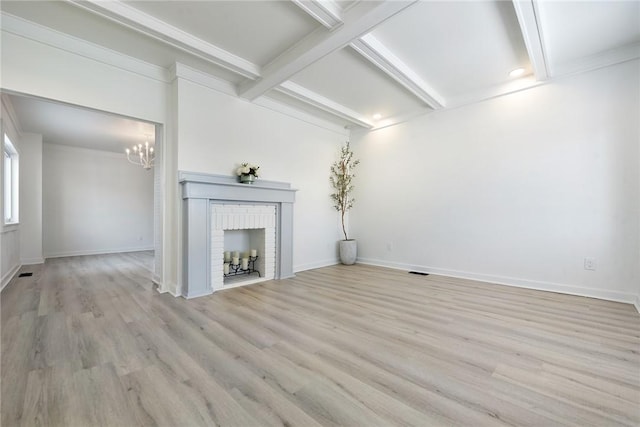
496,91
185,72
305,95
467,99
179,70
32,31
148,25
358,20
601,60
279,107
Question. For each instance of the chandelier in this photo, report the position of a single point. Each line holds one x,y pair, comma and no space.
141,156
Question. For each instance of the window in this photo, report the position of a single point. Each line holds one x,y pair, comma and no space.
10,189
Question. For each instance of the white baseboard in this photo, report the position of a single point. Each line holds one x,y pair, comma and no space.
170,289
10,275
318,264
512,281
32,261
98,252
636,303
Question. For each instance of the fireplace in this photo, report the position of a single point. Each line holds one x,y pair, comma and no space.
220,215
240,228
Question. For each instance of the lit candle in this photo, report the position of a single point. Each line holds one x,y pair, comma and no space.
235,261
236,254
226,268
245,263
254,253
227,256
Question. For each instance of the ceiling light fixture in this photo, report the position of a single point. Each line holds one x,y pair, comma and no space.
517,72
377,116
142,155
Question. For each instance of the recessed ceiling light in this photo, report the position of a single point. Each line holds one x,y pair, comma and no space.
517,72
377,116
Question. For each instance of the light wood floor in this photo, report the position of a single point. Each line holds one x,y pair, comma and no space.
88,341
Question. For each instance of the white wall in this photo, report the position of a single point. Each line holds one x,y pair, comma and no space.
217,132
94,202
31,199
9,234
104,80
516,190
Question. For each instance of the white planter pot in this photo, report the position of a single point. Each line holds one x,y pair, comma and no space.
348,251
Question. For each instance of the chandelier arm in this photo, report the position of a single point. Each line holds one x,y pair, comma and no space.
133,161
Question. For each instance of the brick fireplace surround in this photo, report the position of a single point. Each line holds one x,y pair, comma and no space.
202,196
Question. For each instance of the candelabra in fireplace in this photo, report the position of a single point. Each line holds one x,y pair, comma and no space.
237,267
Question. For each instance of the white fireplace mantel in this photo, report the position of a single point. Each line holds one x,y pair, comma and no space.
199,192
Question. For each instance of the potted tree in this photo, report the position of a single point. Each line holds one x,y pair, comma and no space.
341,180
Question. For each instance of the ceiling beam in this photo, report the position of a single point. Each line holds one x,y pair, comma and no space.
305,95
380,56
326,12
133,18
376,52
358,20
532,34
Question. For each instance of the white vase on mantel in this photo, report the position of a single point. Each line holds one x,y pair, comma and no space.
348,251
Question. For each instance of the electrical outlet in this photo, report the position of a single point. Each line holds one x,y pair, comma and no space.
590,264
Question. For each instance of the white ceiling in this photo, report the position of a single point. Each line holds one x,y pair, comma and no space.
345,61
79,127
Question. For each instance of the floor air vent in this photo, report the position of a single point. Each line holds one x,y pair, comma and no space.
25,275
419,273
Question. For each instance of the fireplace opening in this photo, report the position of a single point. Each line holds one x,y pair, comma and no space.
245,243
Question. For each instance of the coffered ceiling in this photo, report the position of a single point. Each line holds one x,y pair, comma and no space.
362,64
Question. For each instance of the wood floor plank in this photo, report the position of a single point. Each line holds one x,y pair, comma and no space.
88,341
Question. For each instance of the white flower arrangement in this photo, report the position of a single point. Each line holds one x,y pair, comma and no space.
247,169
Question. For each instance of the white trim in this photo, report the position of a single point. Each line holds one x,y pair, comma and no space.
185,72
97,252
601,60
151,26
161,289
6,279
32,261
326,12
182,71
29,30
314,265
13,117
303,94
482,95
496,91
509,281
379,55
636,303
287,110
526,12
358,20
